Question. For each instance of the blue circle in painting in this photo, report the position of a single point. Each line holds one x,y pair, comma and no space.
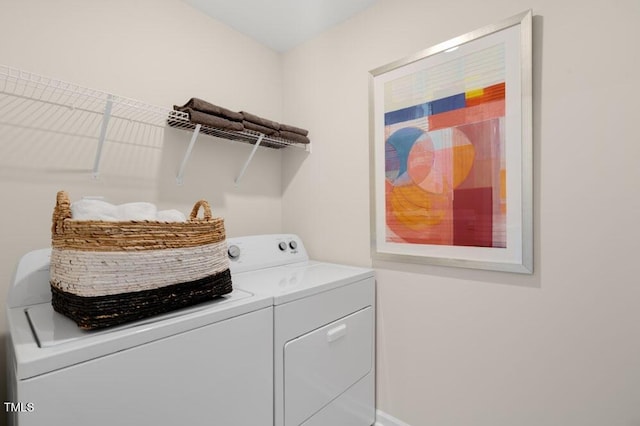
396,151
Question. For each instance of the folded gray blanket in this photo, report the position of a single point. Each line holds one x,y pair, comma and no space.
294,137
247,116
209,108
294,129
269,131
212,120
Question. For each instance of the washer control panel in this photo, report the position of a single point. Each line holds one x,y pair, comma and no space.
234,252
264,251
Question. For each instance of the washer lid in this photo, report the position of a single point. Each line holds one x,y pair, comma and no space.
298,280
43,340
51,328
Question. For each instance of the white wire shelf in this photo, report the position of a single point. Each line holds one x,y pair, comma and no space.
32,101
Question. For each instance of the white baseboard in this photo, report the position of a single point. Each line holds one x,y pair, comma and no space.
384,419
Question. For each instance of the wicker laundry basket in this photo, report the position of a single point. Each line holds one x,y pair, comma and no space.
107,273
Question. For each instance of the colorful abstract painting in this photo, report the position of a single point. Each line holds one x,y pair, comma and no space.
445,154
451,152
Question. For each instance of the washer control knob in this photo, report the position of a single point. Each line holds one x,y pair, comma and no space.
293,245
233,252
282,246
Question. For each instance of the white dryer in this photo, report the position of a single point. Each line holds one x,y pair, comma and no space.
211,364
324,315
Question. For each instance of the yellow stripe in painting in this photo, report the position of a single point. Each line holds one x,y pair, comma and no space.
474,93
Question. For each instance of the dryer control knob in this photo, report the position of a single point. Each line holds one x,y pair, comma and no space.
233,252
282,246
293,245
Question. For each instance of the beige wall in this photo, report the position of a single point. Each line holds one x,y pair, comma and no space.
462,347
160,52
455,347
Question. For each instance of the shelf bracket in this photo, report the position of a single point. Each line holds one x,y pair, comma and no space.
183,166
246,163
103,134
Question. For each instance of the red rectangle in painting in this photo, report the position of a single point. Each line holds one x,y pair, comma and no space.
467,115
473,217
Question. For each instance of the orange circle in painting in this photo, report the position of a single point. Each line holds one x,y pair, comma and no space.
411,207
463,156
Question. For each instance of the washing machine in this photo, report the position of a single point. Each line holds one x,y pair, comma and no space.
210,364
323,321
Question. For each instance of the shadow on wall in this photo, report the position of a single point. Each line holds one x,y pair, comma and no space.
211,173
58,135
294,158
212,168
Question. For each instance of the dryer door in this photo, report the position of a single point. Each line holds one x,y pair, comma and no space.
322,364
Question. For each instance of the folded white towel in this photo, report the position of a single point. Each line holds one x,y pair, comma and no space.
136,211
94,209
171,216
89,209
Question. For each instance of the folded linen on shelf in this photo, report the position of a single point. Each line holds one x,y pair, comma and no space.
211,120
217,117
209,108
259,128
294,137
247,116
293,129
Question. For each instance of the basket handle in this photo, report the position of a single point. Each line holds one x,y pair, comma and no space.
61,212
194,212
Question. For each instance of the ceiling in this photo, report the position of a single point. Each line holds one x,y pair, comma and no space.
281,24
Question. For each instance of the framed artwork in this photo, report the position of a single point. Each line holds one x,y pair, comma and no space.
451,152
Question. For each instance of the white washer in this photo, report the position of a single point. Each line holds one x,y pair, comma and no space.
324,315
208,364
